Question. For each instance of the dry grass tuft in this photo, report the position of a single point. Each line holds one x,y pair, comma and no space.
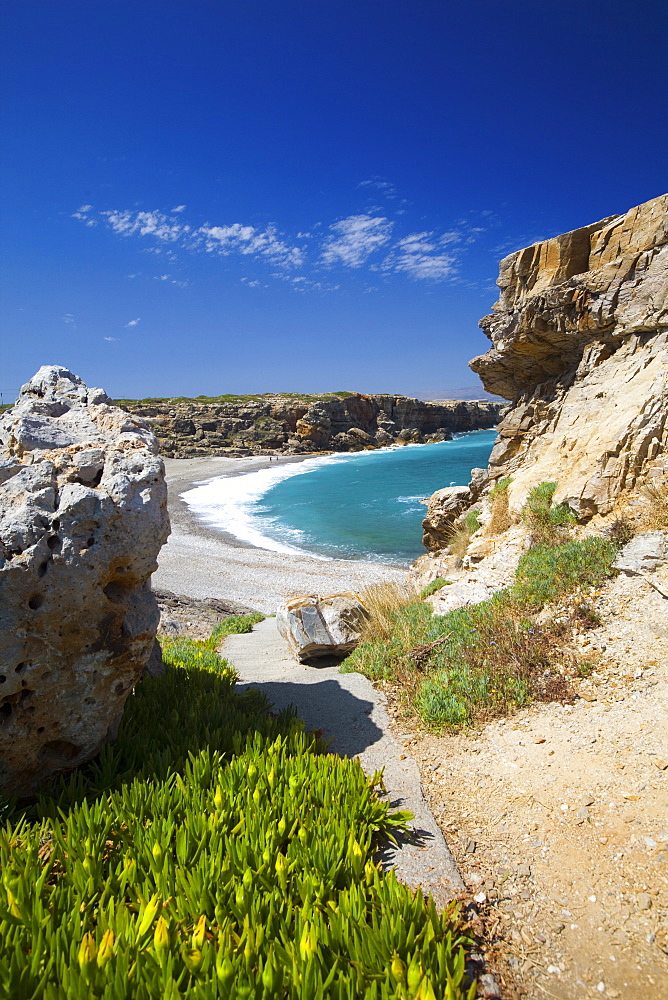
655,514
461,534
383,601
500,519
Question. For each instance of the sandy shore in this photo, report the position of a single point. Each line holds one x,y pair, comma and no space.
200,561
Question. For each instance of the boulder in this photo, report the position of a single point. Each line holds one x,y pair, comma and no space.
643,554
83,515
443,508
321,628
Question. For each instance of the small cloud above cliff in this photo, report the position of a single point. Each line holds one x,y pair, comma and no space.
353,240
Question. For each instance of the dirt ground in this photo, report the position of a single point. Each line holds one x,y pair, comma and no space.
558,816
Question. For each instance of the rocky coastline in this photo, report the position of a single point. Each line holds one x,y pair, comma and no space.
287,424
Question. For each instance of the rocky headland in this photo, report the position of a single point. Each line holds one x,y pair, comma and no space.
292,424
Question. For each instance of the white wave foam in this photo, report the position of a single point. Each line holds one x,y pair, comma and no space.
231,503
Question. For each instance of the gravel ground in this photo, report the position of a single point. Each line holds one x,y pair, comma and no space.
558,816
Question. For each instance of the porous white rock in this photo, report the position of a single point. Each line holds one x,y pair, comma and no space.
83,515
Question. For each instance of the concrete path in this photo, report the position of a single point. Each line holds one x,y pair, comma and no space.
352,715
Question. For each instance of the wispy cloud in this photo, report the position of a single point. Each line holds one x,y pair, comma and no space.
380,184
422,256
68,318
353,240
111,339
247,240
156,224
133,322
370,240
83,216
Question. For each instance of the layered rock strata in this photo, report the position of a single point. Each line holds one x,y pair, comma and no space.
83,515
288,425
580,346
318,628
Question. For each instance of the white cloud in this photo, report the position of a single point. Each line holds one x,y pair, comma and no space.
421,255
380,184
247,240
68,318
82,214
225,239
354,239
156,224
133,322
111,339
369,239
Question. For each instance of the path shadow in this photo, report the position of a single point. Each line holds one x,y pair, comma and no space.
329,709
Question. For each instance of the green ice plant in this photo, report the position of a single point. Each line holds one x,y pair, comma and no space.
214,851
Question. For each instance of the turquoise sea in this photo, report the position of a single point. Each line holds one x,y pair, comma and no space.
364,505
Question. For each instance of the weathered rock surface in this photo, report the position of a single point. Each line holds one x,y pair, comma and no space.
443,508
269,424
580,337
83,514
643,554
318,628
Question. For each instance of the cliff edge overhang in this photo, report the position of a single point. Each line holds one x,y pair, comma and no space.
594,286
580,346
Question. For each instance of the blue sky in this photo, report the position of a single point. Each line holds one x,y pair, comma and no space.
203,197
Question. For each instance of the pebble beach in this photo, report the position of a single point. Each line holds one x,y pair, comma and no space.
201,561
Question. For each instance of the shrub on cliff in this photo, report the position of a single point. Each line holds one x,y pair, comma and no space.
461,534
654,515
546,520
213,851
492,657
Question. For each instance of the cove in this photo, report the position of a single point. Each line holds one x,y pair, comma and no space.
364,505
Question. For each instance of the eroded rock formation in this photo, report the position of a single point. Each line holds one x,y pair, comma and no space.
285,424
83,515
580,338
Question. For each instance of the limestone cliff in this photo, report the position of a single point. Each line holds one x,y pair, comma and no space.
291,424
579,338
